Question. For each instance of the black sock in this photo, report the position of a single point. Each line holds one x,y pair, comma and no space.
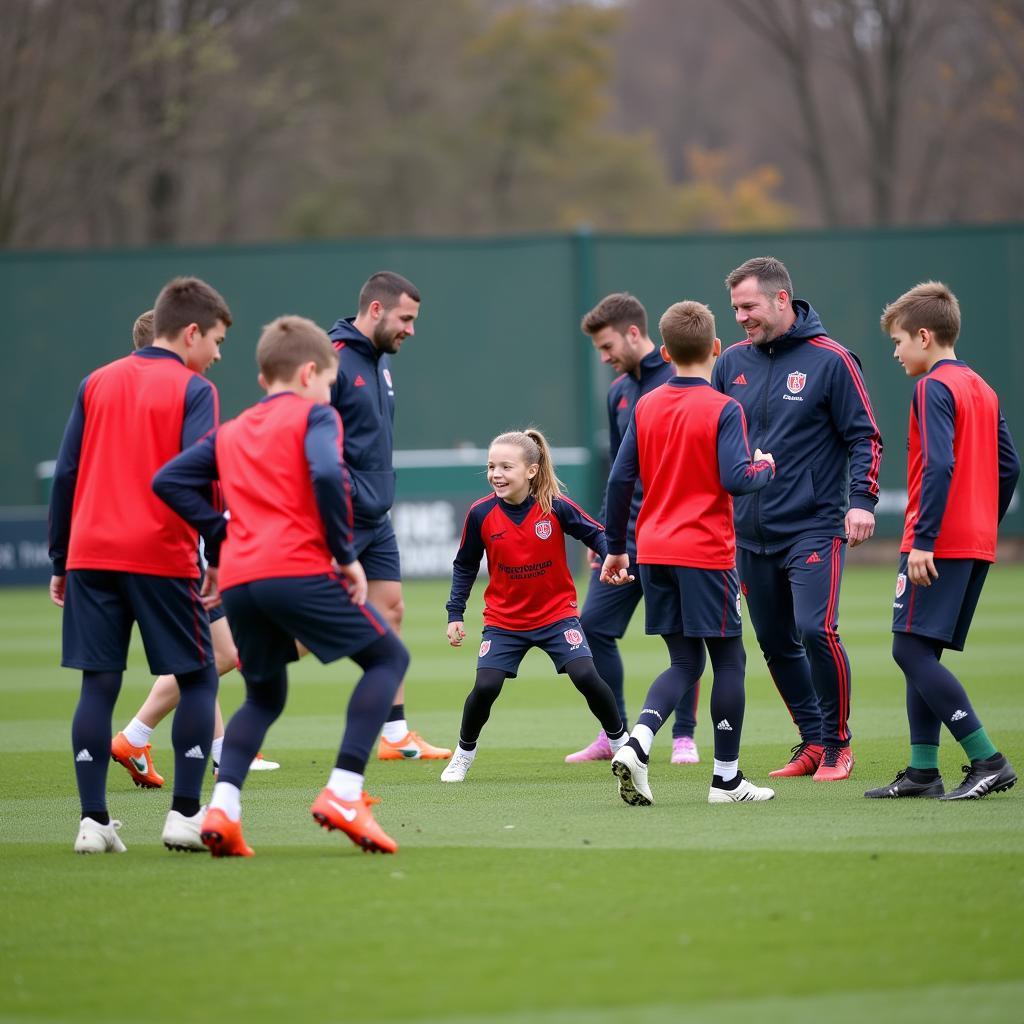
717,783
187,805
922,774
467,744
397,713
101,817
634,745
616,735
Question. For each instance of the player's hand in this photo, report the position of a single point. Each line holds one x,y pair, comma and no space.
356,576
456,633
57,587
921,567
616,570
210,591
860,525
760,456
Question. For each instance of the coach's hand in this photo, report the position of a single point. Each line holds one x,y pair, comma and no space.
210,592
860,525
356,576
616,570
456,633
57,586
921,567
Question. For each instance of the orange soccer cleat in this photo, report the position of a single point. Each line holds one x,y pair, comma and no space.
354,818
836,765
412,746
223,837
137,760
805,760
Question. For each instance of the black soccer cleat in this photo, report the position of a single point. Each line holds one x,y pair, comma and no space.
991,775
903,786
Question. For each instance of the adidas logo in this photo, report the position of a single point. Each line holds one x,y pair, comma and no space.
741,379
83,755
814,559
958,714
196,751
359,382
724,726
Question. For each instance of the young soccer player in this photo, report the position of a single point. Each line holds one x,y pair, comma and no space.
134,560
687,444
131,748
530,600
961,471
284,480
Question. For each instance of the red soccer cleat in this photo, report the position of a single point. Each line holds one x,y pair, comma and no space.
836,765
223,837
805,760
137,760
354,818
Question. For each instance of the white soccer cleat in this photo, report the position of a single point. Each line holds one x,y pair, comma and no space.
458,767
745,792
96,838
182,833
632,775
261,764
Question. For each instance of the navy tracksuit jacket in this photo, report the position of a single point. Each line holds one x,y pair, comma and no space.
806,403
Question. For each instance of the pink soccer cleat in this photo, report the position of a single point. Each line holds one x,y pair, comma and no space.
599,750
684,751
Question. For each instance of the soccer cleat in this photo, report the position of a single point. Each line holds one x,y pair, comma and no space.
836,765
739,791
354,818
261,764
904,786
804,761
991,775
684,751
183,833
599,750
411,747
96,838
632,775
137,760
222,836
458,767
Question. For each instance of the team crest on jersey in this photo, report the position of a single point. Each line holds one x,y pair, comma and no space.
543,529
485,646
387,377
795,382
901,584
573,637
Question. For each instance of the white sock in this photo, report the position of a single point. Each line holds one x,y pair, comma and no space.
216,748
137,733
395,731
618,744
727,770
460,749
644,735
345,785
227,798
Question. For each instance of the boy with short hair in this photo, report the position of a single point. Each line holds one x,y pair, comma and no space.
120,556
962,468
281,470
687,443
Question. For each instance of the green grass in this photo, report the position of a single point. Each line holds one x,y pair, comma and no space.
530,893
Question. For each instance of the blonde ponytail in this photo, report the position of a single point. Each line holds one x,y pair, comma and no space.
545,486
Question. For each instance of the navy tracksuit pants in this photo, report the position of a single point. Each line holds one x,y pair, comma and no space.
793,599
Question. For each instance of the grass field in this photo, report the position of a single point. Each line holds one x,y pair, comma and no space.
529,893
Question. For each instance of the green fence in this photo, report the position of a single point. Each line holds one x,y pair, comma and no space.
497,343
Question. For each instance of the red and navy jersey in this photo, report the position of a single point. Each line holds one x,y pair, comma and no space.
806,403
688,445
129,418
281,470
625,391
364,395
962,466
530,582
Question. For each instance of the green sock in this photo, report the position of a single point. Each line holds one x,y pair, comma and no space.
977,746
924,756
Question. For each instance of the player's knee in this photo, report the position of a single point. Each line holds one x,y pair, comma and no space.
386,653
269,694
908,650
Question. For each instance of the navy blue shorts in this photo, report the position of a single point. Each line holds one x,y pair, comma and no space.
268,616
377,550
608,609
100,606
694,602
504,649
944,610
